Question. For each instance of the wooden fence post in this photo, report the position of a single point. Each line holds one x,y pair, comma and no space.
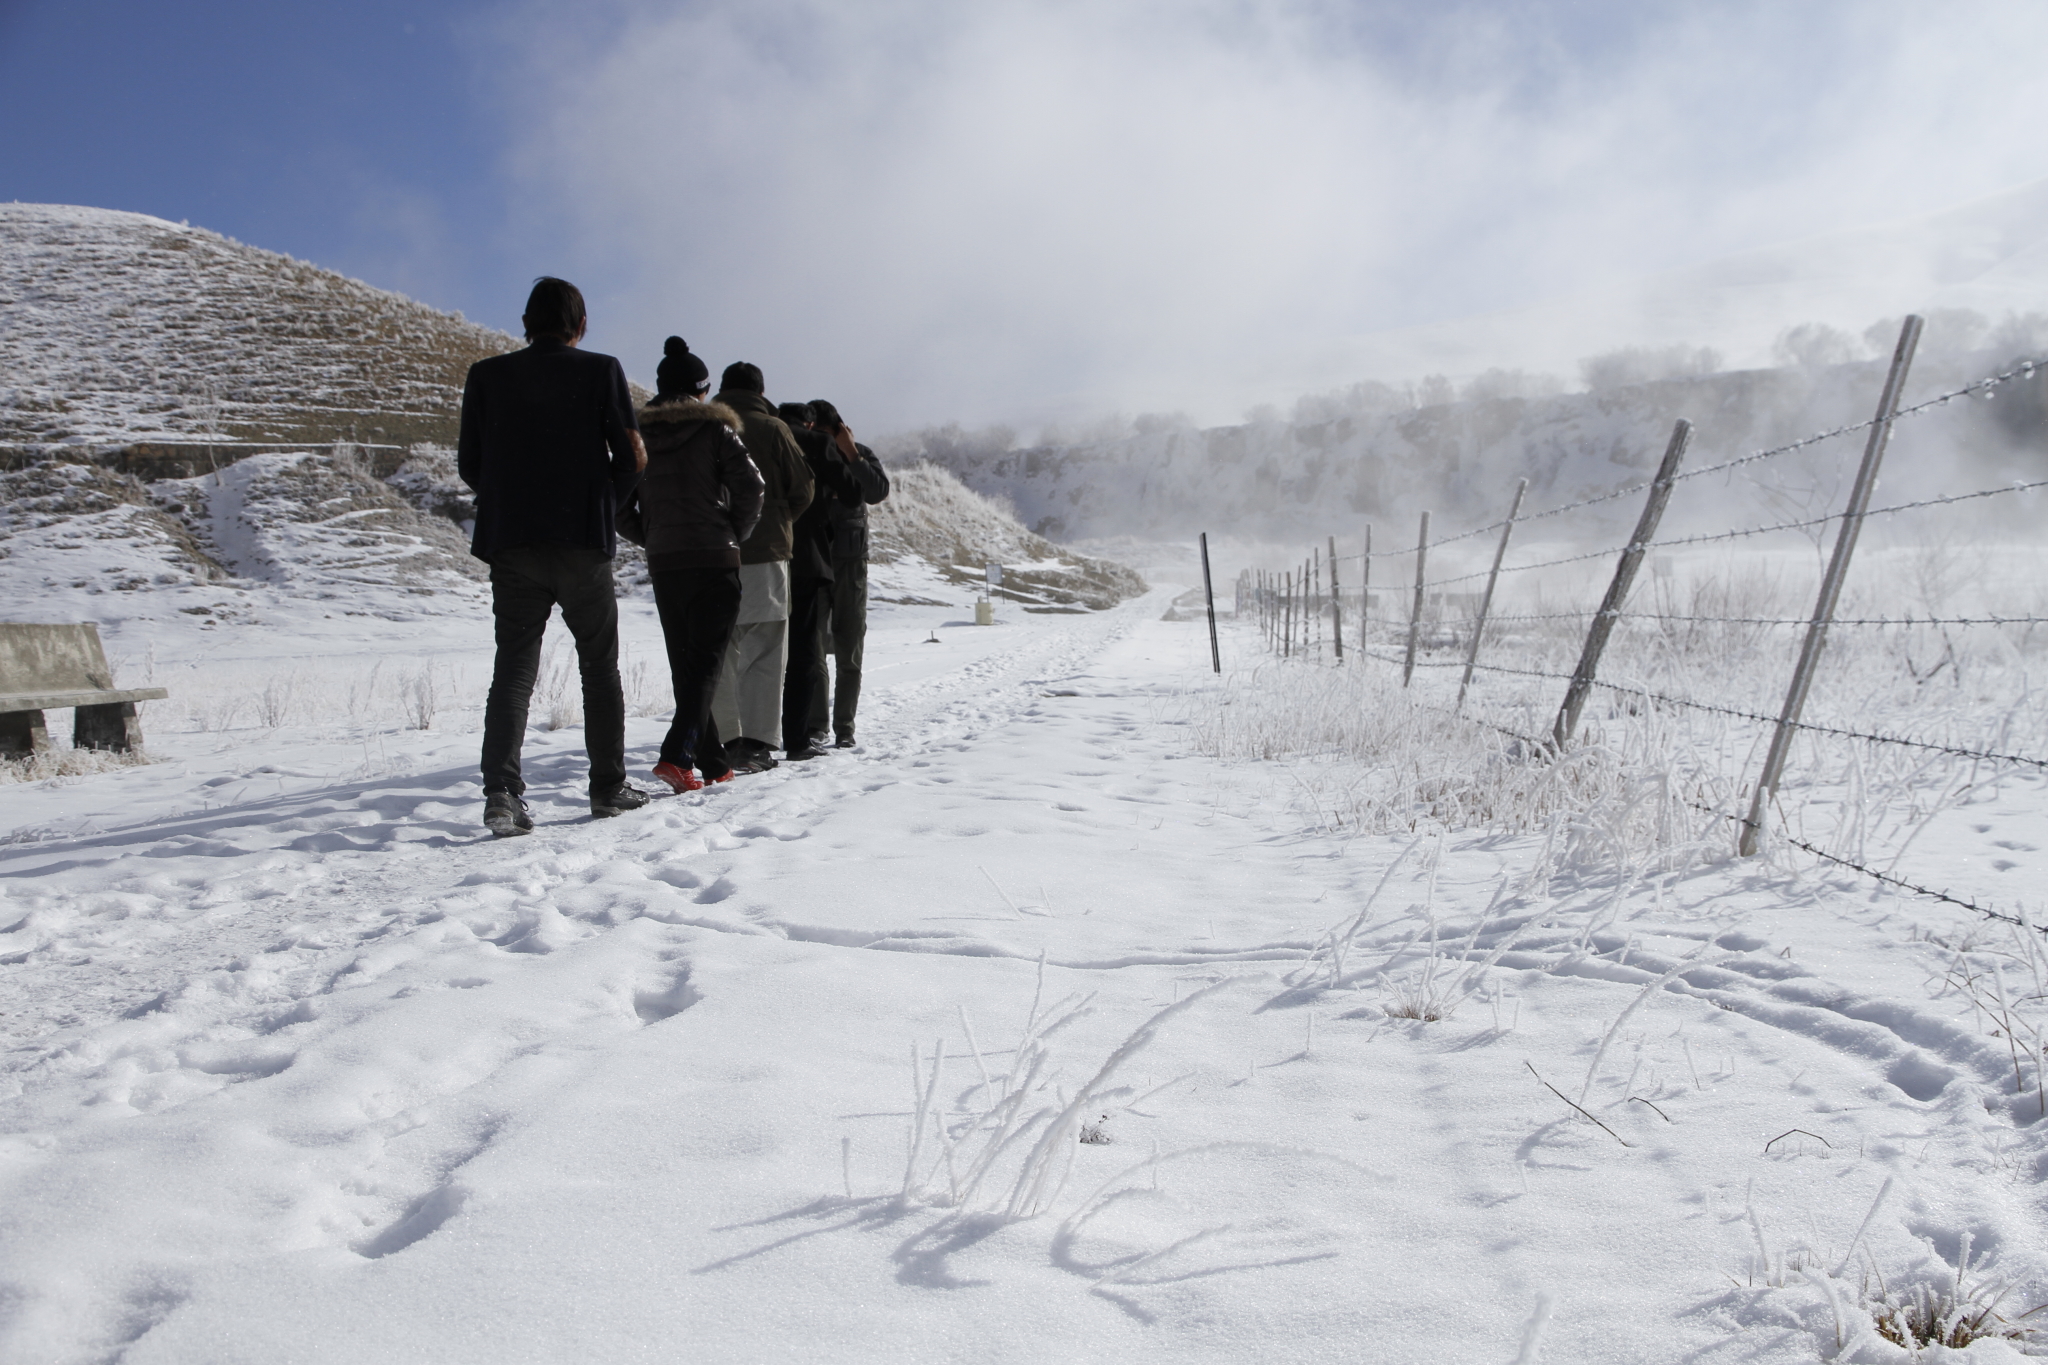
1301,616
1287,635
1365,596
1209,592
1303,619
1415,612
1617,591
1316,597
1486,601
1336,605
1301,611
1831,586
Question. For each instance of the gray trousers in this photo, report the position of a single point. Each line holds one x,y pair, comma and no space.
748,701
844,634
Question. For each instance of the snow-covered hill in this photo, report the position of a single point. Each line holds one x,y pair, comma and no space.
118,327
273,541
931,516
289,541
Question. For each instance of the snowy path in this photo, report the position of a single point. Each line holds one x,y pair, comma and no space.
318,1074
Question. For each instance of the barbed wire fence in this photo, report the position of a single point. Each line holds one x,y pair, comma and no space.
1291,608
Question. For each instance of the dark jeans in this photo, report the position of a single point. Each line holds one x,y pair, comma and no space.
698,607
525,584
846,630
804,678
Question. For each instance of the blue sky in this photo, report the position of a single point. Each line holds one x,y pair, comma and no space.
984,208
357,136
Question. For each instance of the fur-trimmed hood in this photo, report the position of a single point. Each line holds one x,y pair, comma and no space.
687,411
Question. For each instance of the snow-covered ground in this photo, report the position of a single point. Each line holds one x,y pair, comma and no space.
1023,1032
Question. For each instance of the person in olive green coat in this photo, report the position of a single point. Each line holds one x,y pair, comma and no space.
748,702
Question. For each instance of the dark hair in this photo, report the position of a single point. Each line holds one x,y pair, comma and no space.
680,372
796,414
554,309
742,377
825,415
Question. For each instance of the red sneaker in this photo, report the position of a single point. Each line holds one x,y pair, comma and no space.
679,780
725,776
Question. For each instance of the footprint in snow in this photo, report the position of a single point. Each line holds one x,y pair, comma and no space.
422,1218
665,1000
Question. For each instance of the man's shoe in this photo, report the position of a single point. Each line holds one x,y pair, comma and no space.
679,780
725,776
506,816
807,752
843,742
749,756
626,797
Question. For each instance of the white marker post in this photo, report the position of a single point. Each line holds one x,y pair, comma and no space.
984,605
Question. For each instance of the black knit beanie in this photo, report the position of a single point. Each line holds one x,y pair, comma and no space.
743,377
680,372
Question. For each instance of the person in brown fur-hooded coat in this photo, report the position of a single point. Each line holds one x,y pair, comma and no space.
701,497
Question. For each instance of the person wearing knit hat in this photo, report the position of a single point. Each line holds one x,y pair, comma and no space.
680,374
699,500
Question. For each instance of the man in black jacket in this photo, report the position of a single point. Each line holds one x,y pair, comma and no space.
846,623
550,446
810,581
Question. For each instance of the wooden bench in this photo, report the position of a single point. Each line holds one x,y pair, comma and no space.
42,667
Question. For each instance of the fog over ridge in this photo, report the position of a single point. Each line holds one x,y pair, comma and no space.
1002,211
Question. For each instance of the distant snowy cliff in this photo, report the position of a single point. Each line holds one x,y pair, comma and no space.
1339,465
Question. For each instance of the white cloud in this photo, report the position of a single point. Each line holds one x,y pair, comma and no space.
942,208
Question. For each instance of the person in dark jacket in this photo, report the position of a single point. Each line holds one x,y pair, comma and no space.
700,498
810,583
748,703
548,443
845,627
